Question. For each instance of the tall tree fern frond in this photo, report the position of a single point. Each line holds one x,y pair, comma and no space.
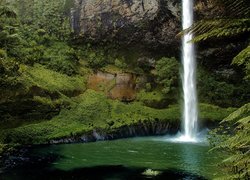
236,143
239,8
234,20
233,135
240,113
243,59
207,29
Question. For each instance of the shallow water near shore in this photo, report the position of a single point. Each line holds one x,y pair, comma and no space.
133,158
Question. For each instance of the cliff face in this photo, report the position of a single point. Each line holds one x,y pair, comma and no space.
148,22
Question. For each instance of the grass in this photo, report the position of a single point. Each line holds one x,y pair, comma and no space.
93,110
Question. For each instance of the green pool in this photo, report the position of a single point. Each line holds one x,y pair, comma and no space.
134,158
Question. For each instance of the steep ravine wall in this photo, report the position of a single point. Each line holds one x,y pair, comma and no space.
151,25
152,22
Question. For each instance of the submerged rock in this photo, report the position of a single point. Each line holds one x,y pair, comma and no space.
151,173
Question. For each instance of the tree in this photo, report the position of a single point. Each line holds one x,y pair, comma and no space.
167,73
51,16
8,28
8,39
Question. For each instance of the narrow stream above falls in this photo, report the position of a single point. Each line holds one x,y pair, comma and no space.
118,159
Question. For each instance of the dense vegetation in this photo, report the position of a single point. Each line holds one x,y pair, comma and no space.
232,136
44,72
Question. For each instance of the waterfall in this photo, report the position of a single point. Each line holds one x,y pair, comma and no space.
190,112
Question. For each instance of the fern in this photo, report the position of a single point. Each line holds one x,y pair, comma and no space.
207,29
233,21
239,8
236,143
243,59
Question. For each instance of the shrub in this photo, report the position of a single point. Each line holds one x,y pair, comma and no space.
3,54
120,63
167,70
220,92
61,58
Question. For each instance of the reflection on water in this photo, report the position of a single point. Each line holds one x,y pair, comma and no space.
125,158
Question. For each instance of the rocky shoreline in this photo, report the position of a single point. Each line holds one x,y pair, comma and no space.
141,129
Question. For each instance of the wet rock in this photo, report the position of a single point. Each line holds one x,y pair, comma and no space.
140,129
121,86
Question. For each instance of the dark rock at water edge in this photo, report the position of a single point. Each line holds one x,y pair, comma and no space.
141,129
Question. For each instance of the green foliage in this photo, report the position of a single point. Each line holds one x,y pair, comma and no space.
120,63
9,37
61,58
213,90
207,29
240,113
96,60
93,111
2,146
6,148
212,113
167,70
243,59
3,54
95,56
233,22
8,72
50,80
34,31
235,8
47,15
88,112
151,98
233,138
6,11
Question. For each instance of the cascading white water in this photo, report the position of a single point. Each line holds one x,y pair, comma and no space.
190,113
